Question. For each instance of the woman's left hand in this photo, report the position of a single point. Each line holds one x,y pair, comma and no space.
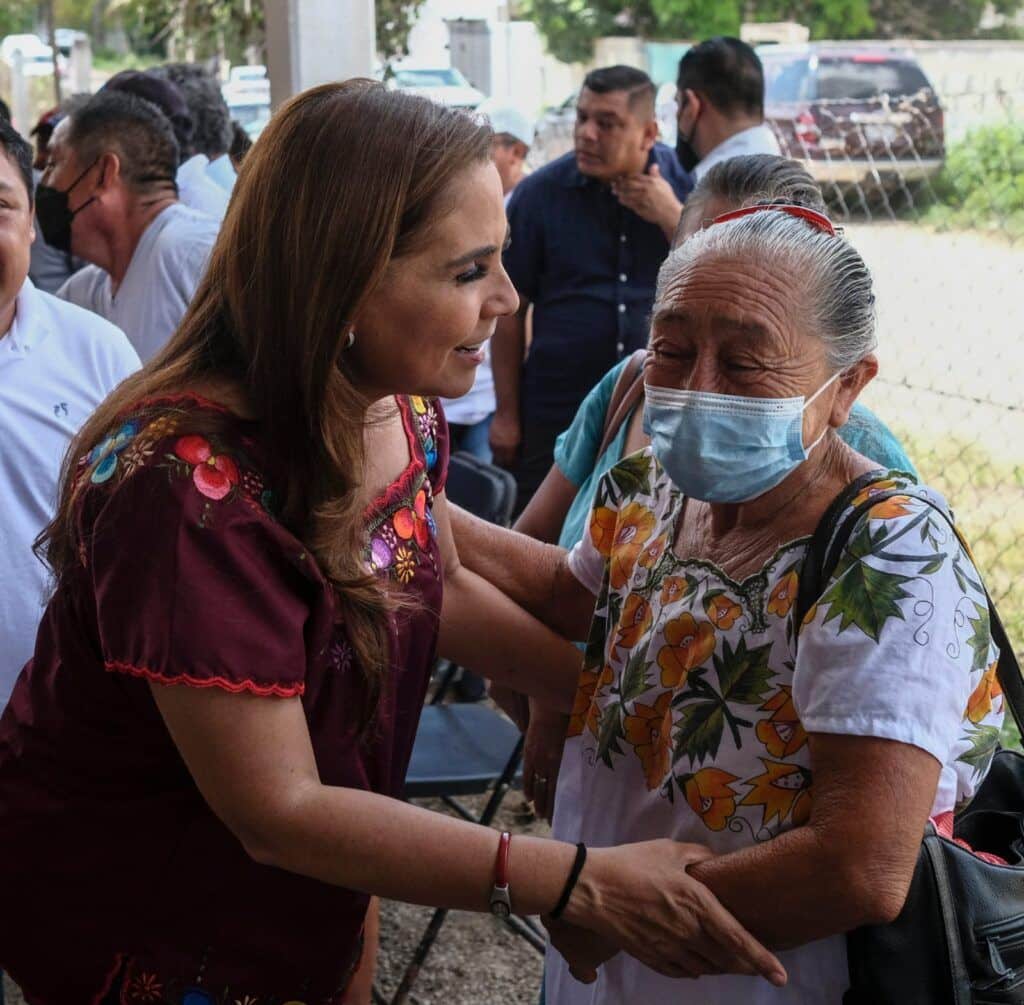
545,739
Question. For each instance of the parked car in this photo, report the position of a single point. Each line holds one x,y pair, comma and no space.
444,84
247,94
66,38
247,74
36,55
854,114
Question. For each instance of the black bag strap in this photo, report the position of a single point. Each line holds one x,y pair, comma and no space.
826,548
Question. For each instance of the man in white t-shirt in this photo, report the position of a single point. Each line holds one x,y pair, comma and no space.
57,363
206,176
469,417
109,194
720,97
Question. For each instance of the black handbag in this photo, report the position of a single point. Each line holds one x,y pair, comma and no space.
959,939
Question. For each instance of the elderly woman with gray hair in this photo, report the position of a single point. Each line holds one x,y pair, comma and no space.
698,715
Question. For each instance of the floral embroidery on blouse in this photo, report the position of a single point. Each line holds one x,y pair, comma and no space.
218,474
402,529
692,674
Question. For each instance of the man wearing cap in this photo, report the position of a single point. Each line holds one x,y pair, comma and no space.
109,195
196,189
57,363
211,138
513,137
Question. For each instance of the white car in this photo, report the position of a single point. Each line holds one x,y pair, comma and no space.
36,55
443,84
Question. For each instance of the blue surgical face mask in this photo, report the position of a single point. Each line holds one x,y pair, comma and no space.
726,448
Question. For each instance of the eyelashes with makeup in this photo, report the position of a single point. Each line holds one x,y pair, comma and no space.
477,272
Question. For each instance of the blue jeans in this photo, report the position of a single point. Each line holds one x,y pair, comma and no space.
474,438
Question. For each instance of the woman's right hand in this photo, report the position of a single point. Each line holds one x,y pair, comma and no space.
641,899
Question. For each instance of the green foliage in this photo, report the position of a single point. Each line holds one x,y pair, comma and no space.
934,18
572,26
203,25
697,18
16,17
825,18
984,174
395,19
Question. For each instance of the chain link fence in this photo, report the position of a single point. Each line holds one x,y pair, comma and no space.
930,189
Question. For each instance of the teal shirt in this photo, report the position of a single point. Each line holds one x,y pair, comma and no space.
576,449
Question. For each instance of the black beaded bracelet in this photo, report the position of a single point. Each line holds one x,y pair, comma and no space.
570,883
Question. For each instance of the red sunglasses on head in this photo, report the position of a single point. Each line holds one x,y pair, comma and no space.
817,220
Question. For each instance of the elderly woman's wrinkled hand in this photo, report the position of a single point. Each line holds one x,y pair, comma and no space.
542,757
640,898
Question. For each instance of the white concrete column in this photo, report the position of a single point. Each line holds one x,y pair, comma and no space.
312,42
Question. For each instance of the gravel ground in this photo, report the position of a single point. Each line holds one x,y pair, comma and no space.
476,960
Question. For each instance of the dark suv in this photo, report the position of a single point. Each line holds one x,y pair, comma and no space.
854,114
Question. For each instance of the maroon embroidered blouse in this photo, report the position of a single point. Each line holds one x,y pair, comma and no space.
111,863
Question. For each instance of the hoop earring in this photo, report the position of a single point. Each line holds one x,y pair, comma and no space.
351,339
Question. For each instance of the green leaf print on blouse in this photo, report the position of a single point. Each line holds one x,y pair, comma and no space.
744,678
981,639
632,476
984,743
865,597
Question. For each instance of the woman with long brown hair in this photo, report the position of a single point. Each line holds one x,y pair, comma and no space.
198,768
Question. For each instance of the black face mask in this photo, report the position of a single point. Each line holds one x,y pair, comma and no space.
687,156
53,214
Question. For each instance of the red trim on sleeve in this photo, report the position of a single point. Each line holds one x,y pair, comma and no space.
235,687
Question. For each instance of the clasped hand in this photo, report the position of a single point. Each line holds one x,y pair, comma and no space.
640,899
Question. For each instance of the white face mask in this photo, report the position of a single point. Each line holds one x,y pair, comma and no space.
724,447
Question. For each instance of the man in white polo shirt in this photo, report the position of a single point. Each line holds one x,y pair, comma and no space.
109,194
57,363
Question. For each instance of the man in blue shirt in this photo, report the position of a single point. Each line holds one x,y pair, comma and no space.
586,263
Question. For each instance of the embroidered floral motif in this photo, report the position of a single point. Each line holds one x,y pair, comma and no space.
400,541
980,704
721,611
783,791
215,475
145,988
340,655
426,421
711,796
782,733
105,455
649,731
405,565
689,645
783,597
634,622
